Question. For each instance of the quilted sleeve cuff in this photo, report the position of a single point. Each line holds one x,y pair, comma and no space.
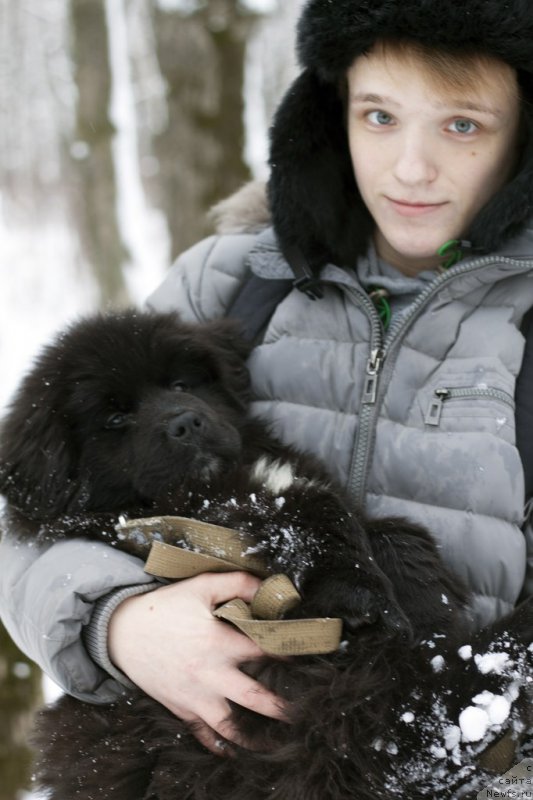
95,633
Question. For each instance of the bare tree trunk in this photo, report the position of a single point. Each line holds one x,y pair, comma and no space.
20,693
200,153
91,169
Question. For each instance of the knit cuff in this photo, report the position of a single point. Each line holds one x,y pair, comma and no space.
95,632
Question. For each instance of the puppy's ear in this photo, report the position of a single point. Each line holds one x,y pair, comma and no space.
230,350
37,464
227,335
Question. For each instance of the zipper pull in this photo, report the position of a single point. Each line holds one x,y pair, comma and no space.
435,408
373,367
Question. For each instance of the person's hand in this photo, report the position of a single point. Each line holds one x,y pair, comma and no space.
169,644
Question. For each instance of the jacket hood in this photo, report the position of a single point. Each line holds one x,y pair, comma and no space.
316,206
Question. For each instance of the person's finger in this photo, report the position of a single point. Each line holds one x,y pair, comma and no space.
215,742
214,728
224,732
250,694
244,649
239,647
217,588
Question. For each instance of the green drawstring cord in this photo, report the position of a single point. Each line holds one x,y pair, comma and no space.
452,249
379,295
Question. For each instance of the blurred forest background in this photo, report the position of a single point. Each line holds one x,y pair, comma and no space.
122,122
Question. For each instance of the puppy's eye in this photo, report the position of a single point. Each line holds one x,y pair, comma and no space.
179,386
116,421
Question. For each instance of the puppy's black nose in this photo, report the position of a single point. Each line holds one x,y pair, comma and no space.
184,425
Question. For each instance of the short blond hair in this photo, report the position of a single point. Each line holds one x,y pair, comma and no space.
450,72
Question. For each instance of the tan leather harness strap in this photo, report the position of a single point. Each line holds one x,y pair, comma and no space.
287,637
501,756
223,544
218,549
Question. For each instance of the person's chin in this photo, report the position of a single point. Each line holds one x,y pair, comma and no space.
410,254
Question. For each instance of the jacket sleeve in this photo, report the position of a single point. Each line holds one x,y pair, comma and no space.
202,283
47,597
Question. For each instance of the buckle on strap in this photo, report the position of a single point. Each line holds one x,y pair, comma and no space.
305,281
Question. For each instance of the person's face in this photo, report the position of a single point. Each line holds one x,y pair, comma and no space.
425,162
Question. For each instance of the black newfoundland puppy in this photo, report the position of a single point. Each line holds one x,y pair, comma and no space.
141,415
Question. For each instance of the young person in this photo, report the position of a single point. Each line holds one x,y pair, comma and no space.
401,195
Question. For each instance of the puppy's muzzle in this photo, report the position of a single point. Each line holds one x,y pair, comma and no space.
186,425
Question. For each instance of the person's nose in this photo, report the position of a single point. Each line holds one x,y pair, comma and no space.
415,161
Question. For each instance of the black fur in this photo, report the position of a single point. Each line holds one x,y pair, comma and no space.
315,204
332,34
142,414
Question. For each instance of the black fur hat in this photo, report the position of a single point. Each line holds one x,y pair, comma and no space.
316,206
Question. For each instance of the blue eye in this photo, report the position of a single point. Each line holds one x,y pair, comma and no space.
380,118
463,126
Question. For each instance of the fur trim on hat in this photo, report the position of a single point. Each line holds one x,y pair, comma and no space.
245,211
314,199
332,33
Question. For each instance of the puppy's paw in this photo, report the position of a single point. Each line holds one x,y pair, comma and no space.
359,603
368,607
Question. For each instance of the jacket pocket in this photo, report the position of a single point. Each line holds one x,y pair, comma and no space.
444,396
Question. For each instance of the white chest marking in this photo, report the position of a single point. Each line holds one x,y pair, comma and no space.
274,476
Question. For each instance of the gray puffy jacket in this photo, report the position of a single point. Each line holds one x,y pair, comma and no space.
418,423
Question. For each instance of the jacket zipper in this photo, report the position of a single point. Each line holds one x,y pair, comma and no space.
444,394
363,442
384,348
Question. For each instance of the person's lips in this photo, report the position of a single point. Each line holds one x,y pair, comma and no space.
407,208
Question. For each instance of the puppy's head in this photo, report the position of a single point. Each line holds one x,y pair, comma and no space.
122,409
